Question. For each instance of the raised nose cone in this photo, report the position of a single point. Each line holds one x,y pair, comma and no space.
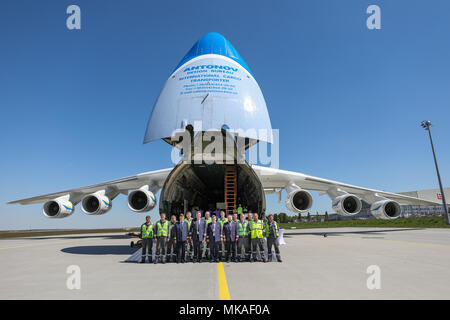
211,88
213,43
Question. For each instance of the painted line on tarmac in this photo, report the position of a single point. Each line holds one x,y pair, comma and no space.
44,244
224,294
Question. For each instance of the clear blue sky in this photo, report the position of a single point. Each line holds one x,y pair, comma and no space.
347,100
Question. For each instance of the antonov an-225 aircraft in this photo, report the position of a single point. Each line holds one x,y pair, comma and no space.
212,85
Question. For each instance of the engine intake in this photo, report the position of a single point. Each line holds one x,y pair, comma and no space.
347,205
386,209
58,208
299,201
96,203
141,200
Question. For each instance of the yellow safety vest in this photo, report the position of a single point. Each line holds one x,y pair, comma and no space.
268,229
208,221
162,230
147,232
256,229
242,229
222,221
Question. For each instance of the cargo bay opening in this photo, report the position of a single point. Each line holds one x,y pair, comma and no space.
205,186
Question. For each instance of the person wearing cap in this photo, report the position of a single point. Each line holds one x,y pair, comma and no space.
147,239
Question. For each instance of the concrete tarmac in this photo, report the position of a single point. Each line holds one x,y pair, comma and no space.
413,264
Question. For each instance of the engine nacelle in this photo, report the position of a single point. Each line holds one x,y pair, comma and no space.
96,203
347,205
141,200
386,209
299,201
58,208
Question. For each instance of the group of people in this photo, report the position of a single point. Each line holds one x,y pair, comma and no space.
212,238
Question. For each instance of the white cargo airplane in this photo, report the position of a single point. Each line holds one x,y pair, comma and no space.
213,85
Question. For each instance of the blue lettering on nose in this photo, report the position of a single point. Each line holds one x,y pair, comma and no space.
211,66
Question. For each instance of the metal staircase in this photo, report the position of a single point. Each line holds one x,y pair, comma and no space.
230,188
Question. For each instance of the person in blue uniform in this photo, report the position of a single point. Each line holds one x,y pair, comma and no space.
214,238
230,233
198,235
181,236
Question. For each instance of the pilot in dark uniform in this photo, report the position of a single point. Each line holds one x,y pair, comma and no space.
198,234
181,236
230,233
214,238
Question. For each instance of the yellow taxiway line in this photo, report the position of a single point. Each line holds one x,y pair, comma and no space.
224,294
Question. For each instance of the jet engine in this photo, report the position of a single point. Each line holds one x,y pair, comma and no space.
299,200
96,203
141,200
347,205
386,209
58,208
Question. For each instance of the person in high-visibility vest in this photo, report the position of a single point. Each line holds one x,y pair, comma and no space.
239,209
243,231
222,220
171,244
230,235
207,217
272,234
147,239
162,237
248,248
257,235
189,243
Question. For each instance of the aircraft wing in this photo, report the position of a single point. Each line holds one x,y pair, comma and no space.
274,180
154,178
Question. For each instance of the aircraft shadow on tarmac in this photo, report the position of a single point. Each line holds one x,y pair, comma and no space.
74,237
101,250
338,233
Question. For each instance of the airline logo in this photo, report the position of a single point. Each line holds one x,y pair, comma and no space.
211,66
68,208
375,209
439,196
107,203
336,203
